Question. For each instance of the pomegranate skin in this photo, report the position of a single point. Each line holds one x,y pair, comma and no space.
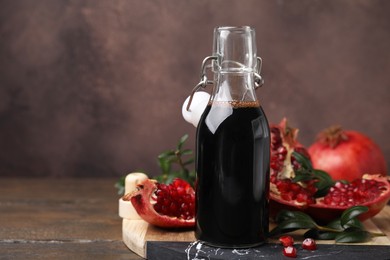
141,200
325,213
284,194
348,159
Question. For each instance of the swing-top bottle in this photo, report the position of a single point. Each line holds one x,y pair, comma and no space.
233,148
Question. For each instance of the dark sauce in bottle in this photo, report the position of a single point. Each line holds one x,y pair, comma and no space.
232,164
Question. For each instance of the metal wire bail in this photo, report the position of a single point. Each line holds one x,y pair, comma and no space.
203,79
259,81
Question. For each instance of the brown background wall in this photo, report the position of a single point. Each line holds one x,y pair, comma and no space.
95,88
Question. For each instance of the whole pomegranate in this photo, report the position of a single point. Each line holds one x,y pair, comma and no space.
346,155
168,206
305,191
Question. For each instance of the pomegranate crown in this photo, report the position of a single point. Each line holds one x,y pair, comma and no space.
332,136
289,133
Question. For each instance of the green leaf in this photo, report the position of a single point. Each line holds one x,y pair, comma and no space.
182,140
173,165
303,160
284,215
354,223
289,221
335,224
165,165
189,161
297,224
186,152
351,213
352,235
120,185
321,235
324,183
172,176
321,192
323,177
166,154
302,176
192,174
306,173
277,231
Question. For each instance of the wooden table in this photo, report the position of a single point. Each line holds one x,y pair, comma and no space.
71,219
60,219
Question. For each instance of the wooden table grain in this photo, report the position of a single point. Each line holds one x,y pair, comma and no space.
60,219
71,219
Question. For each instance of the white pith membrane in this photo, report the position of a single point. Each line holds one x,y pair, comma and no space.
286,173
153,198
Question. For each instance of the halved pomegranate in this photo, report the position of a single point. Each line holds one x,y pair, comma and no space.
168,206
372,191
283,144
284,193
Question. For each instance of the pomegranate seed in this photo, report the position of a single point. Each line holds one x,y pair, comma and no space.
295,187
286,240
162,187
173,200
173,207
354,193
166,202
184,207
173,193
309,244
336,199
290,251
302,197
282,150
288,196
311,200
281,157
283,186
274,166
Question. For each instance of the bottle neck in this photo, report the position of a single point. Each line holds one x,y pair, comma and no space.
234,86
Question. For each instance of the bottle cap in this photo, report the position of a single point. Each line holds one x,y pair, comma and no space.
198,105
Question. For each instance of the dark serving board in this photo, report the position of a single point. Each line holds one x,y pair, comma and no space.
155,243
157,250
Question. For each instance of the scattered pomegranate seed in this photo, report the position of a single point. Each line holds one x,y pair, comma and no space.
290,251
286,240
309,244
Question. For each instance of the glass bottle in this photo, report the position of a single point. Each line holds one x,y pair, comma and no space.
233,148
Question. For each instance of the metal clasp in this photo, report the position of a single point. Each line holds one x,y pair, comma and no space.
259,81
203,79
